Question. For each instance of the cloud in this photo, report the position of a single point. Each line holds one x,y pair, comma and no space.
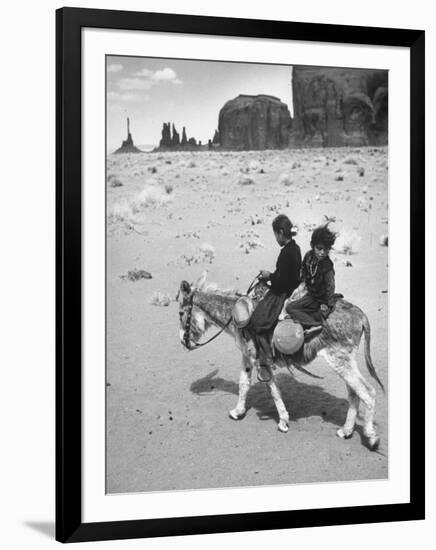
115,68
160,75
166,75
144,72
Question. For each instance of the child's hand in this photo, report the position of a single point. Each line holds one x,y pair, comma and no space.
324,309
264,274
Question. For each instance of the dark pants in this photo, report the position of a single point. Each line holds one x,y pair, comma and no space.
305,311
262,322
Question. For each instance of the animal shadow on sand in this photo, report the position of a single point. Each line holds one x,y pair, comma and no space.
301,400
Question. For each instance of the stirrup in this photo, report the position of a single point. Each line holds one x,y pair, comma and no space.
259,377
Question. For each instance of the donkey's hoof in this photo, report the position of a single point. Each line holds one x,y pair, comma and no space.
374,443
283,426
236,415
344,434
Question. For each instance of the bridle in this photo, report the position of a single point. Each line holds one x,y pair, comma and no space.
187,331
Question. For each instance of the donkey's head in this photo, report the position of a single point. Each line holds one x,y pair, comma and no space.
193,323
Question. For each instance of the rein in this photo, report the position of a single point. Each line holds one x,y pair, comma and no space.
188,323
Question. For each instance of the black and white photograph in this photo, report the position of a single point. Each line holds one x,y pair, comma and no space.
247,274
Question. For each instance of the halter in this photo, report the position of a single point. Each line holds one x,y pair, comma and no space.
187,331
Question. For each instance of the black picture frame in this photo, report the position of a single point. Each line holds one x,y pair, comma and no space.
69,524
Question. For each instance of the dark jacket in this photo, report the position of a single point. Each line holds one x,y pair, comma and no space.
284,281
319,276
286,277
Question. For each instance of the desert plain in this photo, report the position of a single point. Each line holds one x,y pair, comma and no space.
172,215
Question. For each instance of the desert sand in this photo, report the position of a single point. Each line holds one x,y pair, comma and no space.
175,214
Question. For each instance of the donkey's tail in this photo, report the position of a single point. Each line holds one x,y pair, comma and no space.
367,351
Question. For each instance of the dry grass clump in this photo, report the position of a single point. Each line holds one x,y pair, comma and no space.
151,196
362,203
250,241
160,299
245,180
120,212
384,240
206,253
136,275
284,179
350,160
347,242
114,181
254,166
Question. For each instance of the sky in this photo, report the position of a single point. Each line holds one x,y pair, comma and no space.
187,92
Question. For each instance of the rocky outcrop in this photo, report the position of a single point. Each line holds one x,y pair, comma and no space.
127,145
166,140
254,122
339,106
175,140
184,138
216,138
170,140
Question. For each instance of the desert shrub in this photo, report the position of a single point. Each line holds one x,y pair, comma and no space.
150,196
136,275
160,299
285,179
350,160
384,240
115,182
347,242
245,180
120,211
206,253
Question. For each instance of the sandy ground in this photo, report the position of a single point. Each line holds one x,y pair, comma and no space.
175,214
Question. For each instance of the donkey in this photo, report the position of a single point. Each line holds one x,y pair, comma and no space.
201,306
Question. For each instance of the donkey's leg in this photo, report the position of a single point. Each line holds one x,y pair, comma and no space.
244,385
367,395
283,425
347,429
345,364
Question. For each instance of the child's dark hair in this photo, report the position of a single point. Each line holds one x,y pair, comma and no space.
283,223
323,236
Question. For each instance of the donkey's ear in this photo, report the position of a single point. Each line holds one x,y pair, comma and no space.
185,288
201,281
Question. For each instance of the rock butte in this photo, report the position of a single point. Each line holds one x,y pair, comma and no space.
339,106
128,146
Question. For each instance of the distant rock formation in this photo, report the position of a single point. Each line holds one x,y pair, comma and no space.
254,122
170,140
127,145
339,106
175,141
184,138
166,135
